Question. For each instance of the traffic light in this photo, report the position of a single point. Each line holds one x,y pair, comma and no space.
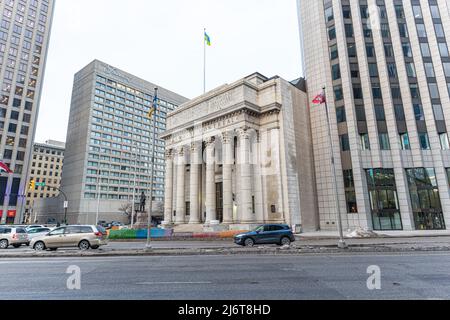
32,185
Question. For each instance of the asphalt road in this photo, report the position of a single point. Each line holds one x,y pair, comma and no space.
407,276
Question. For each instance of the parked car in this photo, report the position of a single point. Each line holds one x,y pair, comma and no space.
33,226
82,236
38,232
13,236
266,234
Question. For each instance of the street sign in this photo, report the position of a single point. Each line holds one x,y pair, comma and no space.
40,184
66,204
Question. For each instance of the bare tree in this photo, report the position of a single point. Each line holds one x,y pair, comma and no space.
125,209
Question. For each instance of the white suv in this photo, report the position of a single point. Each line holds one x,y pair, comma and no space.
13,236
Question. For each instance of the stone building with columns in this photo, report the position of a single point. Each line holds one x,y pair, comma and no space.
242,155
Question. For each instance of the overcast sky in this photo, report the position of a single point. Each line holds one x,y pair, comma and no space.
162,42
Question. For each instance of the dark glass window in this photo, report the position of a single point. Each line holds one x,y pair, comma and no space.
340,115
379,113
346,12
345,142
335,72
329,16
334,52
349,30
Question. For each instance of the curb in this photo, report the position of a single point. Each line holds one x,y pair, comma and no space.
232,251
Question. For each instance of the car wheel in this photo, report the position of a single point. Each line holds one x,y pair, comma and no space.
17,246
285,241
39,246
95,247
4,244
249,242
84,245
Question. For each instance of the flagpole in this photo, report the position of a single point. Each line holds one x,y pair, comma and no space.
341,243
204,61
148,245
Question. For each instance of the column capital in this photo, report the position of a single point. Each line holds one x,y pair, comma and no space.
210,142
244,133
169,154
181,151
196,146
227,137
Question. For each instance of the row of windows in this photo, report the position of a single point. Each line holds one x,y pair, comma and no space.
88,195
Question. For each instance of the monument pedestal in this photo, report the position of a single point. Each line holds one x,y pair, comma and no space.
141,220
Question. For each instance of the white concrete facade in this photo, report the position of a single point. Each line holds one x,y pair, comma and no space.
257,164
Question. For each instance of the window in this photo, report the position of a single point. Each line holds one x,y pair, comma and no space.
349,30
340,115
335,72
365,142
399,112
434,91
388,50
414,88
438,112
399,12
443,49
370,50
435,11
424,141
439,30
443,138
425,48
373,70
379,113
385,33
376,91
345,143
425,199
417,12
334,52
357,92
429,70
418,112
404,141
329,16
338,94
331,33
351,51
421,31
384,141
392,70
352,206
346,12
410,70
403,29
407,51
447,69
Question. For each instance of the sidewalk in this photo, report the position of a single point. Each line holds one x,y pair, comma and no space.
321,235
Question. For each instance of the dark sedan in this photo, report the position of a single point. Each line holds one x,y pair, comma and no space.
266,234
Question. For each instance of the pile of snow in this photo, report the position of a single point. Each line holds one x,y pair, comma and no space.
361,233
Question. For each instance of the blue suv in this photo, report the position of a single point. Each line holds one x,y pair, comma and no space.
279,234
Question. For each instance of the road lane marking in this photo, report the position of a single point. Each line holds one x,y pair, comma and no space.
173,282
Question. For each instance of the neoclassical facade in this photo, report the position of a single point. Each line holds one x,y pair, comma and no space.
241,155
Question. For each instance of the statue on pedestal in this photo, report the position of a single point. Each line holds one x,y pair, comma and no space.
142,202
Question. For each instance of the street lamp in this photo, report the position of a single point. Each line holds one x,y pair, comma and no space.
98,196
133,205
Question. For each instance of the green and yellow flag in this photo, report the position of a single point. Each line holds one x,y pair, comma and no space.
207,39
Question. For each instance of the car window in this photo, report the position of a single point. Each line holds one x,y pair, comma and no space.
259,229
33,231
73,230
277,228
44,230
267,228
21,230
57,231
86,230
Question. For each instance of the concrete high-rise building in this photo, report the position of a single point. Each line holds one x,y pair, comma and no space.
385,65
24,36
109,129
46,167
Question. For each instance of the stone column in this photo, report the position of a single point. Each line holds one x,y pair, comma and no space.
257,179
181,199
246,174
211,213
196,167
228,161
168,189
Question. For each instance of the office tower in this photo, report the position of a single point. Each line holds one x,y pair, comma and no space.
109,143
386,69
24,37
45,171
